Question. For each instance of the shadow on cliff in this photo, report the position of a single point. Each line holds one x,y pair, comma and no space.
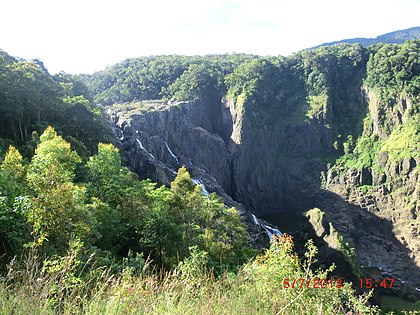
267,169
373,238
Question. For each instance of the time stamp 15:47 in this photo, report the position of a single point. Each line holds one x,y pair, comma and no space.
316,283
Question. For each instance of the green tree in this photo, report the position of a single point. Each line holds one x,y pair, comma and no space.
198,82
161,234
30,96
57,211
13,228
12,175
124,200
54,162
204,221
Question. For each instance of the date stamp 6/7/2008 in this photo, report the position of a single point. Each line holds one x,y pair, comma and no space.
316,283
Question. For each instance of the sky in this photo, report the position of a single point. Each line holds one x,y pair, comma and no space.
83,36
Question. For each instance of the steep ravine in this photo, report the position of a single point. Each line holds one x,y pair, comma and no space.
272,168
156,142
386,195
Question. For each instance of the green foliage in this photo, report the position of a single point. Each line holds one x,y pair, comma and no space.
268,91
322,84
394,69
64,270
404,141
14,231
206,222
163,223
365,188
348,145
56,208
13,228
77,100
105,166
366,152
54,162
151,78
249,77
12,175
198,81
332,77
54,198
317,105
57,211
392,124
346,249
31,99
272,276
119,201
258,288
28,96
73,86
161,229
111,210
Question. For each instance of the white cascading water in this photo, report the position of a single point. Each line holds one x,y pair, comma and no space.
170,151
268,229
143,148
203,188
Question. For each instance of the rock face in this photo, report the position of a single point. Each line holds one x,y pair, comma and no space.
271,163
265,168
156,143
385,203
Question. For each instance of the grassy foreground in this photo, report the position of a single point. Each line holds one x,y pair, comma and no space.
63,287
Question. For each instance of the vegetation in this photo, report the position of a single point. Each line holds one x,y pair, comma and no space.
394,70
31,99
157,77
81,234
393,73
73,235
404,141
260,287
318,83
111,210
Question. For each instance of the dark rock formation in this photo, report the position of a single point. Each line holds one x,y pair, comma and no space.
154,144
265,168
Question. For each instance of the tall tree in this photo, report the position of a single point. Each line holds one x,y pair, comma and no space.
58,211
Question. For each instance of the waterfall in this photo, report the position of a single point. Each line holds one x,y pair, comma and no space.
143,148
268,229
203,188
170,151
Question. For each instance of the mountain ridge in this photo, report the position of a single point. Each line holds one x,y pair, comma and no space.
394,37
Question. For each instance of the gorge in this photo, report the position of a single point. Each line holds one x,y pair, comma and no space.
283,140
177,173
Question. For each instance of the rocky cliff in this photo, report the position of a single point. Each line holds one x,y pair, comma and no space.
385,195
311,132
268,173
157,138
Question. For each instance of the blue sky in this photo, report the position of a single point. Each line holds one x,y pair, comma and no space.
82,36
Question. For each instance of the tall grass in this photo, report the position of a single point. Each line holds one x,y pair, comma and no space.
62,288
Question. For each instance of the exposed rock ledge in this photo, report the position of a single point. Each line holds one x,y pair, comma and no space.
263,169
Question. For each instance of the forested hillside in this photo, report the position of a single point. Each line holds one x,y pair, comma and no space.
31,99
162,77
333,133
396,37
